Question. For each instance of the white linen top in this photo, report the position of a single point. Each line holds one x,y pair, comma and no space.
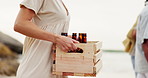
51,16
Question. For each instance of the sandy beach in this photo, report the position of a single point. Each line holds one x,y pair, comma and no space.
115,65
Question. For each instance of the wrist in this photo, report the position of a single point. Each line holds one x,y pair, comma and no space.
56,37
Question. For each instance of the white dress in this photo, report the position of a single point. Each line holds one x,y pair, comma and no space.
51,16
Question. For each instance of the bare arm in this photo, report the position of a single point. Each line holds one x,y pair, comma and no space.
145,48
24,25
134,34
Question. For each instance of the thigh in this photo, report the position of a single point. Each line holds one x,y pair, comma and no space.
133,61
146,74
140,75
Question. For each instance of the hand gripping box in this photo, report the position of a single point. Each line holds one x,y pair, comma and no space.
87,63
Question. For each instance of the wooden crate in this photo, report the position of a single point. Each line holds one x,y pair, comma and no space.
87,63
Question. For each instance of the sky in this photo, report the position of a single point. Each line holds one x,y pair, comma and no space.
103,20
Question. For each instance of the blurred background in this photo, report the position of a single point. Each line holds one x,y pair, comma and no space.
103,20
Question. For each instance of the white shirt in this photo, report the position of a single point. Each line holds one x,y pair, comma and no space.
141,64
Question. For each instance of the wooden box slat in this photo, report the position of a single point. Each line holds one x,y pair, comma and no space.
87,49
98,66
97,56
78,65
97,46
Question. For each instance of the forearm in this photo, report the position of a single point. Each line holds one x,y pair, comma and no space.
24,25
145,48
28,28
134,34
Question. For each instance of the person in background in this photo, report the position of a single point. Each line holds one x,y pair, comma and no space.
141,47
129,43
42,21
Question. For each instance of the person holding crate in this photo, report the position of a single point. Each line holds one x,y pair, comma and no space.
42,21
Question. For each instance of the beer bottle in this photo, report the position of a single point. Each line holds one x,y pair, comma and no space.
74,36
64,34
84,38
80,38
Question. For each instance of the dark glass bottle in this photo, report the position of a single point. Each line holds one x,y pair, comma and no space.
64,34
80,38
74,36
84,38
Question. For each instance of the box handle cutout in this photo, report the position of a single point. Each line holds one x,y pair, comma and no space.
78,50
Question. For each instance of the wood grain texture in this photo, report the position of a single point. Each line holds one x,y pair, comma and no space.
79,64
